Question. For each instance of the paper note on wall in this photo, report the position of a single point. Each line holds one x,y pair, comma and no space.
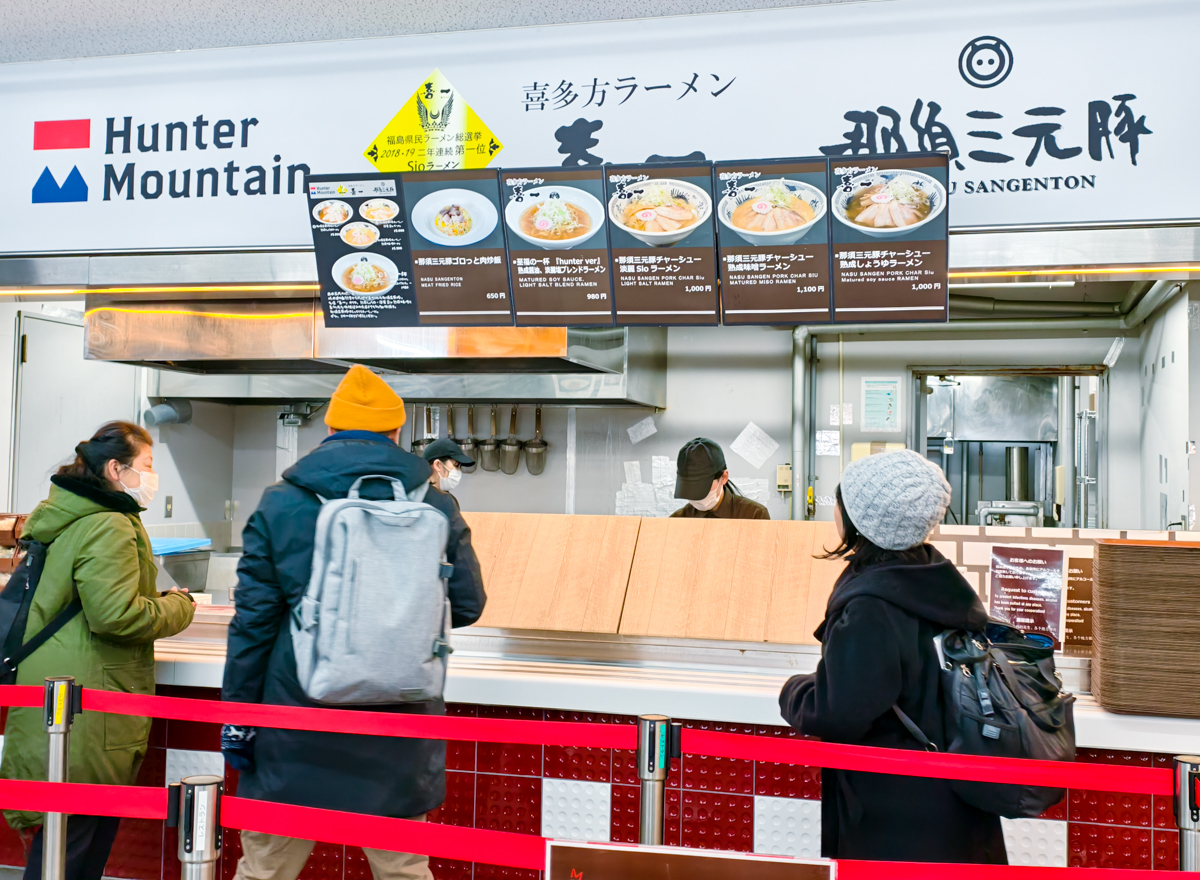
633,472
829,443
754,488
639,431
881,404
662,469
754,444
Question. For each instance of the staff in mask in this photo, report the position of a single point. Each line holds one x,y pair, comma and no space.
447,459
703,481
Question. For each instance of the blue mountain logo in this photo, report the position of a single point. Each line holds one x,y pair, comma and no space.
74,189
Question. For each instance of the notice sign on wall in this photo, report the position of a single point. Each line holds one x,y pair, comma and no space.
889,237
773,236
568,860
557,246
459,260
1077,629
361,242
1027,589
663,252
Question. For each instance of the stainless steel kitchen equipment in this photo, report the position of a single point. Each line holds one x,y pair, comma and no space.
489,449
418,446
535,449
510,448
468,443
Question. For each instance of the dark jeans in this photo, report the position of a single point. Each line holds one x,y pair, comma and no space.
89,841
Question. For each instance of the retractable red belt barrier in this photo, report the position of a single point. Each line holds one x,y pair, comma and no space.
444,841
903,762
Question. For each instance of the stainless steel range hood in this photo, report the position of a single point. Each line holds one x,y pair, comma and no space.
279,350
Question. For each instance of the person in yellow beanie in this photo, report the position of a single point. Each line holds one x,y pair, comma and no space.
380,775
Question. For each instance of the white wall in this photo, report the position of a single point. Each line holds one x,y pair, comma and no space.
84,28
1164,415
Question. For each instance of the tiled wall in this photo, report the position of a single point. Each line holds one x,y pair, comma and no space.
712,803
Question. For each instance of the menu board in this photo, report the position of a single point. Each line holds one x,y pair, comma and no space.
572,860
1027,589
889,229
460,267
1077,630
557,246
663,249
773,241
361,243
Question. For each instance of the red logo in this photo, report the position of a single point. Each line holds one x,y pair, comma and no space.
62,134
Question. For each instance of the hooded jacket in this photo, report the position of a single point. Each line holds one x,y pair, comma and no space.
385,776
877,650
100,552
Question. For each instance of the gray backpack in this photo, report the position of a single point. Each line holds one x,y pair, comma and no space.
372,625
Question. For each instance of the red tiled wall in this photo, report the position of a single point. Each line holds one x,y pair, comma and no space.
710,801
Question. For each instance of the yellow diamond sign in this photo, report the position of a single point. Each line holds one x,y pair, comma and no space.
434,131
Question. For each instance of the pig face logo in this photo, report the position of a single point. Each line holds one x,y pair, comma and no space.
985,62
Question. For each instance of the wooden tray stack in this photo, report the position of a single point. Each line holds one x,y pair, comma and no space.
1145,658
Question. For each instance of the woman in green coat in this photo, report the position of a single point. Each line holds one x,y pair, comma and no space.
99,551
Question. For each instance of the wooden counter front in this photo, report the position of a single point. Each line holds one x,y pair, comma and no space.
742,580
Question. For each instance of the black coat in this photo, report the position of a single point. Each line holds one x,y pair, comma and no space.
877,649
386,776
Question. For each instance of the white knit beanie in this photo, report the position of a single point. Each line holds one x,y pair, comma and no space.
895,499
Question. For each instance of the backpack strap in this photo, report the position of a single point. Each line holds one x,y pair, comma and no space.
48,632
398,493
911,727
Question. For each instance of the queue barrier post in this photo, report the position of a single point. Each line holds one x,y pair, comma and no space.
658,742
1187,810
193,806
62,700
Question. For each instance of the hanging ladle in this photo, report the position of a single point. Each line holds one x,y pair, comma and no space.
535,449
468,444
489,450
418,446
510,447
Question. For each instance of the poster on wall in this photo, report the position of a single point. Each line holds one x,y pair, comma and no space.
1027,589
459,260
557,246
570,860
361,241
889,231
881,404
773,241
663,249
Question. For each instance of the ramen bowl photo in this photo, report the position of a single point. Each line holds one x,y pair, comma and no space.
888,203
768,212
454,217
332,212
660,212
379,210
365,274
555,217
360,235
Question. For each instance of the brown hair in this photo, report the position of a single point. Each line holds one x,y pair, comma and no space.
120,440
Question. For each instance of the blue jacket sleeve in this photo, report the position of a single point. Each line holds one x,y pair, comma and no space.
261,610
858,679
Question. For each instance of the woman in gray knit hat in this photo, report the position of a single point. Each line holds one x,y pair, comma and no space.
877,650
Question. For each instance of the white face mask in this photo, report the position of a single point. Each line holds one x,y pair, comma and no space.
712,499
451,479
144,493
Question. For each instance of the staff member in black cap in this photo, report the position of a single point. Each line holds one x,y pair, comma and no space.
703,481
447,459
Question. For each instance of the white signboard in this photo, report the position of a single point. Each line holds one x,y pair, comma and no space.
1077,110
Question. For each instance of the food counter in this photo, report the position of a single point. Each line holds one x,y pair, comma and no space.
697,619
